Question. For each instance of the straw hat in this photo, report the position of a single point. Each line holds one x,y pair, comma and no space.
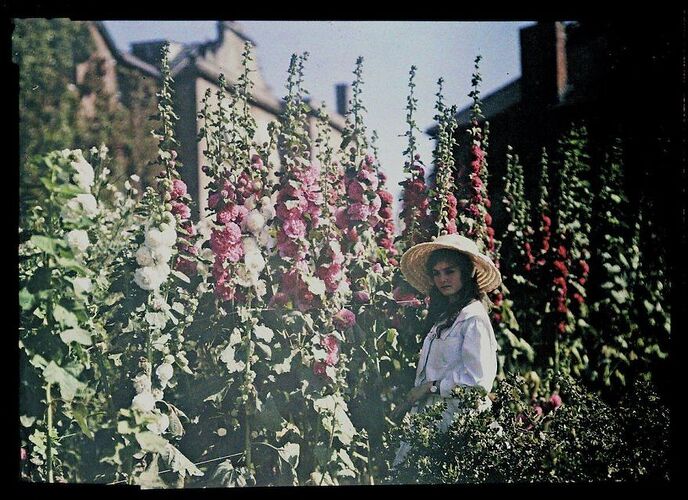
414,262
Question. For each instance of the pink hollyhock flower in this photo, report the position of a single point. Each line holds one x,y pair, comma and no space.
23,455
235,252
451,227
474,211
181,209
377,268
375,204
355,191
224,291
186,266
213,200
352,234
341,219
561,267
358,211
562,308
475,166
319,368
279,299
257,161
331,344
584,267
285,214
221,240
562,327
546,220
294,228
362,296
344,319
386,197
582,281
497,317
579,298
555,399
387,243
178,189
488,219
562,251
538,410
393,262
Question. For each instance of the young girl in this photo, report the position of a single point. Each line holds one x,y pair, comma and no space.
460,346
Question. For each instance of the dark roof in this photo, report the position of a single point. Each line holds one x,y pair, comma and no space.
124,57
493,104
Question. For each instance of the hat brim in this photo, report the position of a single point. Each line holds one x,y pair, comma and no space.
414,263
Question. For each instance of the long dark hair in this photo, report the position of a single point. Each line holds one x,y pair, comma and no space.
440,308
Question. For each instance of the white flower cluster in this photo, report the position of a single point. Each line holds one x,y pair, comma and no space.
78,241
146,396
84,175
247,274
155,253
257,221
82,204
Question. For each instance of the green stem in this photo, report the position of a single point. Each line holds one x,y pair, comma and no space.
49,425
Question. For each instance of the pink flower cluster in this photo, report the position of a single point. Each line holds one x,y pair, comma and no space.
298,210
331,267
344,319
227,199
478,203
385,228
364,203
177,195
415,205
292,287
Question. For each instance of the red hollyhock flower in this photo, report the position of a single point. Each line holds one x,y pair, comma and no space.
319,368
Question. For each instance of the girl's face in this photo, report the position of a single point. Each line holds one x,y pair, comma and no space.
447,277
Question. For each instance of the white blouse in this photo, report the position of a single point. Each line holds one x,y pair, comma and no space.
464,354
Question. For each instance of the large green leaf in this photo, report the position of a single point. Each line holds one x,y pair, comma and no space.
65,317
69,385
150,441
78,335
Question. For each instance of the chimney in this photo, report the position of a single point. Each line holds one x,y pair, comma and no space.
343,98
544,76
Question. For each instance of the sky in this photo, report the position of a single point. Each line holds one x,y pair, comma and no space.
444,49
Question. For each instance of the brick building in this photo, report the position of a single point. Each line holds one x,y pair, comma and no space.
196,67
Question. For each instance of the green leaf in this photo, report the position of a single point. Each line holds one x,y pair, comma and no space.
78,335
80,413
290,454
269,417
72,265
26,299
69,385
45,244
181,276
150,441
179,463
65,317
26,420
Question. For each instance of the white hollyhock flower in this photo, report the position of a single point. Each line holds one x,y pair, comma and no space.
165,236
227,357
164,373
151,277
88,204
263,333
253,222
144,256
250,202
243,276
142,383
265,239
315,285
260,287
82,285
84,176
160,425
250,244
81,204
144,402
77,239
267,207
161,255
254,262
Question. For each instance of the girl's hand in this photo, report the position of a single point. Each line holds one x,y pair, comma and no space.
413,396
